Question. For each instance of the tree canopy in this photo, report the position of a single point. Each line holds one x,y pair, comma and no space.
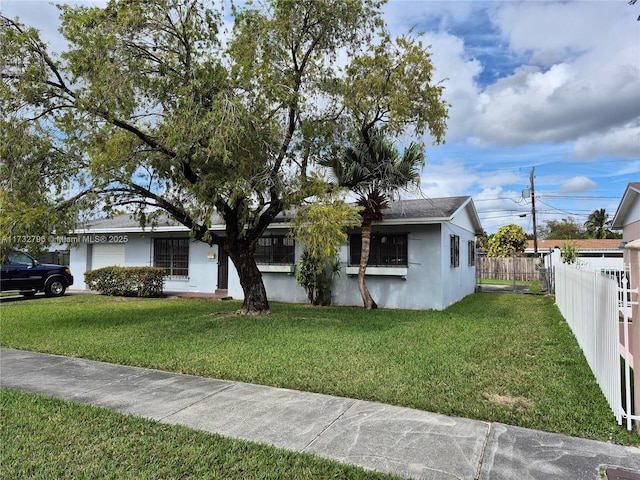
150,109
507,241
566,228
598,225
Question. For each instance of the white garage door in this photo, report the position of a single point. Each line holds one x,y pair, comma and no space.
107,255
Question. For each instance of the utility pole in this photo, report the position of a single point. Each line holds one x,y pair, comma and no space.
533,211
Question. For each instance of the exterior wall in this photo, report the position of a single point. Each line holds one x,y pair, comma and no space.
457,282
631,232
633,215
420,289
281,286
203,271
429,283
79,262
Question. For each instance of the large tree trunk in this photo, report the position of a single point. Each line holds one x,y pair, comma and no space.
369,304
255,295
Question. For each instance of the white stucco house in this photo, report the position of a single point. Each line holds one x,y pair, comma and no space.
422,256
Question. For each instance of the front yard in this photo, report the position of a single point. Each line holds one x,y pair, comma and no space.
494,357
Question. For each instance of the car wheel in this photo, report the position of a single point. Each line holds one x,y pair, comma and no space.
54,287
28,293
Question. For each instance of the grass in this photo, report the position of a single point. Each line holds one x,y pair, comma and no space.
494,357
535,286
45,438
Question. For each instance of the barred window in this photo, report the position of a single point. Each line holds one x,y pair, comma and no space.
386,250
471,246
275,250
454,250
172,254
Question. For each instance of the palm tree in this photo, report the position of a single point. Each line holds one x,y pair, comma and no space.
597,224
374,170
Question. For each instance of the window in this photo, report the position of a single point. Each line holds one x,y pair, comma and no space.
19,258
454,250
275,250
386,250
172,254
471,246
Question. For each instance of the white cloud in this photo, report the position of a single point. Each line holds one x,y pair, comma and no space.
580,83
591,87
447,179
577,185
624,142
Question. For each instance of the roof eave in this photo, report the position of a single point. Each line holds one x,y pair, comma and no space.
623,209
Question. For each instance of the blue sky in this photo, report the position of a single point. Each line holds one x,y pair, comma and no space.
550,85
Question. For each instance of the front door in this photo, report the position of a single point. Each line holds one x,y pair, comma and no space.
223,269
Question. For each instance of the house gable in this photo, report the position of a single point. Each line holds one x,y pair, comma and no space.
629,209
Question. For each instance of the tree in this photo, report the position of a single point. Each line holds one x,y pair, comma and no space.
154,113
597,225
567,228
507,241
482,241
375,171
321,228
30,170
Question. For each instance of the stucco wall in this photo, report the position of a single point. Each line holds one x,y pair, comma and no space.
457,282
203,272
420,289
429,283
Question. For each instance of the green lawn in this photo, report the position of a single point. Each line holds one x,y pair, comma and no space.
48,438
495,357
535,286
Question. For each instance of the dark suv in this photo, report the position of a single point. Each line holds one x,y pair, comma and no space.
21,272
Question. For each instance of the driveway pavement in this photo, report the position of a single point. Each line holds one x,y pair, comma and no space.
401,441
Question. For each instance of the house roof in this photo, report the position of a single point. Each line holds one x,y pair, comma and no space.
588,245
629,199
419,211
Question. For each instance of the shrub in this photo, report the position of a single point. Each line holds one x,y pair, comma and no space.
569,253
127,281
507,241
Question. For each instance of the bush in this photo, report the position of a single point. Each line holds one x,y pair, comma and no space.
127,281
507,241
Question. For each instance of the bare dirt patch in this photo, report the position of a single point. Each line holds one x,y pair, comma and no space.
509,400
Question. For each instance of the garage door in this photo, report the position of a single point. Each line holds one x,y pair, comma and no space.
106,255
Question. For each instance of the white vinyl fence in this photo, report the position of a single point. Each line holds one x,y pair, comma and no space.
592,304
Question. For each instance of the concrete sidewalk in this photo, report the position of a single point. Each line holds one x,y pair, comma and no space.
401,441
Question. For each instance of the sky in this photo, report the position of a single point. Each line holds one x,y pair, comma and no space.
547,85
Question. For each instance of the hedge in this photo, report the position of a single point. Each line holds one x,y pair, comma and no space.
127,281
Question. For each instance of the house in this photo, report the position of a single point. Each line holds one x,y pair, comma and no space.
422,256
627,218
593,254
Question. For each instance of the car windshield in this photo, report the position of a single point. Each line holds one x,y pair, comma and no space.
19,258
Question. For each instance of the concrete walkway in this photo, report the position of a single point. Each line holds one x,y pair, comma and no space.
401,441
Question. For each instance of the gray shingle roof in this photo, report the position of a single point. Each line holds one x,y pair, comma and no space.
423,209
427,208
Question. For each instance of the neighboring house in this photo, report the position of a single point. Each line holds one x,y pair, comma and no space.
627,218
422,256
593,254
